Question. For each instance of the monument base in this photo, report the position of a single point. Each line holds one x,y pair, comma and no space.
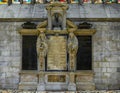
72,87
56,87
56,81
41,87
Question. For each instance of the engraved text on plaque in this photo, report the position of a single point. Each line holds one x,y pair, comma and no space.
57,53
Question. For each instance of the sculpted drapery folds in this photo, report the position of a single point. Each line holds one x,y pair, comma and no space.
72,44
72,50
42,48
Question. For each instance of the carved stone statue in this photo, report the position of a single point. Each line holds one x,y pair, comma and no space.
42,48
57,21
57,16
72,50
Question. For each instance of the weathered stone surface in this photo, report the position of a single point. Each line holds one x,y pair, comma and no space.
9,69
106,52
72,87
11,11
83,78
56,87
85,86
41,87
29,78
26,11
86,91
111,69
27,86
75,11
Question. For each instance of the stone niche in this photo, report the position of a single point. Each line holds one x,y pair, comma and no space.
57,16
60,46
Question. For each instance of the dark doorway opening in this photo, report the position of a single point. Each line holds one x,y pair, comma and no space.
29,55
84,55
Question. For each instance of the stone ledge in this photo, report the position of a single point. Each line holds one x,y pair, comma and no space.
73,19
29,72
83,72
87,91
78,32
74,11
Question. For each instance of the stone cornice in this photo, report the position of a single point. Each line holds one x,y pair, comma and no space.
78,32
73,19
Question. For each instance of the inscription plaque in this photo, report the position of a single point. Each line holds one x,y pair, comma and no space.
57,53
56,78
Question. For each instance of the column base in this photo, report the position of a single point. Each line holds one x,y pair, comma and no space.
41,87
72,87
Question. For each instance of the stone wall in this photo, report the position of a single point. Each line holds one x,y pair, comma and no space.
106,55
10,54
74,11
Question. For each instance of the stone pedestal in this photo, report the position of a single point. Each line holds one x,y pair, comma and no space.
41,87
56,87
72,87
84,80
41,83
28,80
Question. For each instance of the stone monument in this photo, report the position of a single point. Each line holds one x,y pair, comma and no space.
56,47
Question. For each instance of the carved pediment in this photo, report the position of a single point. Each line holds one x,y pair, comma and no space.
56,16
57,5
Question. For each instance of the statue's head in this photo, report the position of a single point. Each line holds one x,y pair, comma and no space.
41,35
71,35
